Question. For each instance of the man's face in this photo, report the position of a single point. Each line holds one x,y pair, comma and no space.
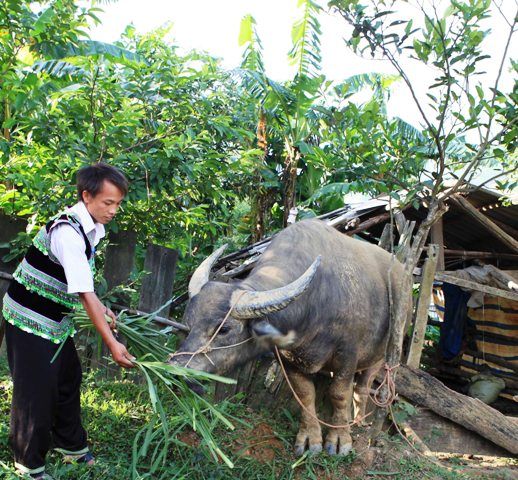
105,204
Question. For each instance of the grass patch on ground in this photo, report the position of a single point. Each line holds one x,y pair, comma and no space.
260,446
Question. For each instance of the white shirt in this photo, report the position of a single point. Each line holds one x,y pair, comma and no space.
69,248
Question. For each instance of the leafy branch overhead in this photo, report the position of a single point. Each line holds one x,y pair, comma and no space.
457,105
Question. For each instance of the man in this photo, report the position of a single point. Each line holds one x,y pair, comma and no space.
54,278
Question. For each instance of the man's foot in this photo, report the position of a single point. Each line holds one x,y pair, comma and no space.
27,473
86,458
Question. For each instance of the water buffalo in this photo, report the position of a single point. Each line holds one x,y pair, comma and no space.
322,298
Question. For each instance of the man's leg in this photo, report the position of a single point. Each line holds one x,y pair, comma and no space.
68,433
34,394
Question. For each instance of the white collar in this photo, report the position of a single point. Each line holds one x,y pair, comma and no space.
87,222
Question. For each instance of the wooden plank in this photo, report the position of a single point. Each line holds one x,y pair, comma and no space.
460,282
10,227
423,389
120,257
475,254
405,240
371,222
437,238
488,224
401,221
386,238
444,436
157,287
421,320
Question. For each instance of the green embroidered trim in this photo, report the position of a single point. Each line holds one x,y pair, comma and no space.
25,470
40,241
39,282
33,322
78,453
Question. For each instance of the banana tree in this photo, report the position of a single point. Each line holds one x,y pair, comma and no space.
288,109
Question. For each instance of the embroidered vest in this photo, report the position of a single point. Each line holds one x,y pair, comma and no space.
37,300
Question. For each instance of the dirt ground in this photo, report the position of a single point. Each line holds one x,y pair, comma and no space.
391,457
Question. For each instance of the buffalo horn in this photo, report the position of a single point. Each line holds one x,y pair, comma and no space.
253,304
201,275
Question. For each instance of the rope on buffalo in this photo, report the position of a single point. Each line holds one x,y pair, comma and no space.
299,401
207,348
388,380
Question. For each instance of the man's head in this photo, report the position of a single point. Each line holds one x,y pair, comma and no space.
102,188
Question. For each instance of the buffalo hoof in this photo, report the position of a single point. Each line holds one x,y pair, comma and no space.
343,450
313,449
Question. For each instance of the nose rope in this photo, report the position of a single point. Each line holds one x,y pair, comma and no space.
207,348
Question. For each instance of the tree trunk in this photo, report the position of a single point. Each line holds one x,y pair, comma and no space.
259,195
290,180
7,115
425,390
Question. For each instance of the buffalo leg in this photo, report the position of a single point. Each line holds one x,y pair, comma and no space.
362,388
338,440
310,433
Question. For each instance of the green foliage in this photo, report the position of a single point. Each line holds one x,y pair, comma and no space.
451,41
401,411
178,126
305,37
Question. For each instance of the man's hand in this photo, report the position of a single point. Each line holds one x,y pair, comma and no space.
121,355
113,317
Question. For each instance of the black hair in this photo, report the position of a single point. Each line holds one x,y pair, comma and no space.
91,178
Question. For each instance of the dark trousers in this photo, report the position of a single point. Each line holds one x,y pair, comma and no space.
46,410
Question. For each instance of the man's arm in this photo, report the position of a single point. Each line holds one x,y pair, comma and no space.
69,248
96,311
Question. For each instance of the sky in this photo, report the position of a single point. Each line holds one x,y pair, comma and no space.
213,26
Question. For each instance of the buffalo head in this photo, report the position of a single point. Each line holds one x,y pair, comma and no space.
218,340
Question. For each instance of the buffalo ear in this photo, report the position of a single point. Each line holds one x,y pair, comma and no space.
263,330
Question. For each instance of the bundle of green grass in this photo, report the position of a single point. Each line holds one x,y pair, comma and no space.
169,384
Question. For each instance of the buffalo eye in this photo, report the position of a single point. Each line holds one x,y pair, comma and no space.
224,330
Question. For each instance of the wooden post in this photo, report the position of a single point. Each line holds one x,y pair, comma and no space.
9,228
120,258
488,224
425,293
437,238
371,222
387,238
157,287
